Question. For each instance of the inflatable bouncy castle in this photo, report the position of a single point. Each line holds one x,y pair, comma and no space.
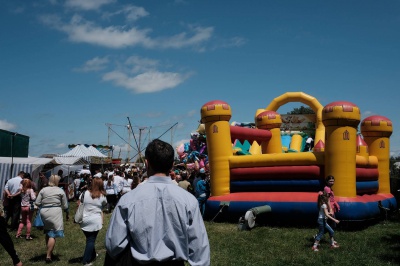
289,182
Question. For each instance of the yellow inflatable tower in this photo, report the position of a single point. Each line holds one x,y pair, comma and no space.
216,115
272,121
376,131
341,120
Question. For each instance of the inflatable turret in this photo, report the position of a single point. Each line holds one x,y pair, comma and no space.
271,121
341,120
376,131
216,115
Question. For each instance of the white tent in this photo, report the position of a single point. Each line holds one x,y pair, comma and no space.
68,165
96,152
32,165
79,151
71,160
83,152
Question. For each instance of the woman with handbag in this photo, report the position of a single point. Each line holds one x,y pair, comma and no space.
27,196
94,201
52,201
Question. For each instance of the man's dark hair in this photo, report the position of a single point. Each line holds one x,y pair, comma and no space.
160,156
184,175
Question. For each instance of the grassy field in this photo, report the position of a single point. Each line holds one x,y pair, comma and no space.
377,244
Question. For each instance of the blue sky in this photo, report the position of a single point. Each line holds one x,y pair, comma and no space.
68,68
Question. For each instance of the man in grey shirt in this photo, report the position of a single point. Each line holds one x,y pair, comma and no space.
158,223
14,200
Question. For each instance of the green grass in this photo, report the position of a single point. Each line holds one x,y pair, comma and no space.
377,244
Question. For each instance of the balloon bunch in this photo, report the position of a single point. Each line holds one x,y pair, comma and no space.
194,153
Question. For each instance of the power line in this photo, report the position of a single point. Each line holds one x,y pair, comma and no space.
138,152
121,137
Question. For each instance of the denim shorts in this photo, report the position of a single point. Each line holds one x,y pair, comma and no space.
54,234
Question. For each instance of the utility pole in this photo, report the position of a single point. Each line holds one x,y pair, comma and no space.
108,138
140,140
129,141
12,154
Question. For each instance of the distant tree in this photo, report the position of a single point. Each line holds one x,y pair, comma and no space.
394,170
301,111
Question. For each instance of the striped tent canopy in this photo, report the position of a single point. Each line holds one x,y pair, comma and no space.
78,151
70,160
32,165
96,152
102,148
84,153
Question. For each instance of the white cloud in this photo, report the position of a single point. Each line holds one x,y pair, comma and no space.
152,81
132,13
80,30
153,114
366,114
192,113
87,4
236,42
7,125
61,145
142,75
199,36
140,64
95,64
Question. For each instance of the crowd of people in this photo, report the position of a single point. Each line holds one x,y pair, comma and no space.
100,191
121,179
157,211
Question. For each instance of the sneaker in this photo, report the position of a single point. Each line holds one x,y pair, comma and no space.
315,248
88,264
334,245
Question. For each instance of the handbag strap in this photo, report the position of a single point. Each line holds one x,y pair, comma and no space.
83,196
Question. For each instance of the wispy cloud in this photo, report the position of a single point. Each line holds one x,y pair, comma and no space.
191,113
4,124
152,81
80,30
132,13
366,114
143,75
153,114
196,36
61,145
95,64
228,43
87,4
140,64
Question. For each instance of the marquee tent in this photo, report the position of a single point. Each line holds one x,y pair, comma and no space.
79,151
68,164
96,152
83,152
70,160
32,165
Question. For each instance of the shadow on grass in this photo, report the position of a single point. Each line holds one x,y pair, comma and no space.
56,258
393,252
42,257
75,260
